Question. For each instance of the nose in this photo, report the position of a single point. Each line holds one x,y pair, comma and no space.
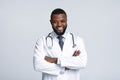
59,23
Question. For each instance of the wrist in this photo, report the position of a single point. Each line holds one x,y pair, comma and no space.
55,60
51,60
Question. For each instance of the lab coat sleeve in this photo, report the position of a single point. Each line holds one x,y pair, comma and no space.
39,62
75,62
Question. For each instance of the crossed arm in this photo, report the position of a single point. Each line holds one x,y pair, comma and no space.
54,60
42,63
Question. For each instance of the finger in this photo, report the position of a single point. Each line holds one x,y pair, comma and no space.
74,53
78,52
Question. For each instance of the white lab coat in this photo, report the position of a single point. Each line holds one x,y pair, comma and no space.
51,71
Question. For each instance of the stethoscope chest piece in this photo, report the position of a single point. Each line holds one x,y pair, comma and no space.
74,45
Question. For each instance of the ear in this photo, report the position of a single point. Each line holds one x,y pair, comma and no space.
51,21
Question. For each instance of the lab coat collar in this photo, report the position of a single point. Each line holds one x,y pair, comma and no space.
66,37
55,35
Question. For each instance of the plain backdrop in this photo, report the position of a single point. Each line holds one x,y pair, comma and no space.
23,21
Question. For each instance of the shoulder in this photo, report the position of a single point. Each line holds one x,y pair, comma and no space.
41,38
76,37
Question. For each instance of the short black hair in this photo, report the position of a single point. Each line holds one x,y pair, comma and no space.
58,11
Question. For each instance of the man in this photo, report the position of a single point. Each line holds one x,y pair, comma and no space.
60,55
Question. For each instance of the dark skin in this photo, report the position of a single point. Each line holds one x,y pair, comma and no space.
59,23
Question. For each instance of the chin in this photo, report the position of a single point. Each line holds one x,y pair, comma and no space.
59,32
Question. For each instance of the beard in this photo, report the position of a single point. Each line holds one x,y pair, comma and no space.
59,33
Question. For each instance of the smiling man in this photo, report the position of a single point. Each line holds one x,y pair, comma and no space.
59,21
60,55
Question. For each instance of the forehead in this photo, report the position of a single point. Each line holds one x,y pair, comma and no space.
58,16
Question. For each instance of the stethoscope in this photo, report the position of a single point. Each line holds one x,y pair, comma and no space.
50,43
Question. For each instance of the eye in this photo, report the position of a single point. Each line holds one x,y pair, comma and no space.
63,21
54,22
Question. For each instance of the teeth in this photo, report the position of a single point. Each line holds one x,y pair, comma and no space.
60,28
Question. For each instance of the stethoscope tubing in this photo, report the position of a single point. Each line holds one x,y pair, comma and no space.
50,47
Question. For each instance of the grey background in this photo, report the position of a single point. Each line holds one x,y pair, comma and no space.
23,21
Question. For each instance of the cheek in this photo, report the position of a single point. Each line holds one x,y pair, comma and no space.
54,25
65,24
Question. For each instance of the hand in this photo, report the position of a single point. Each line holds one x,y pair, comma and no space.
77,53
51,60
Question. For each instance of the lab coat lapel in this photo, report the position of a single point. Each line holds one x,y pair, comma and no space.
56,50
67,44
67,48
